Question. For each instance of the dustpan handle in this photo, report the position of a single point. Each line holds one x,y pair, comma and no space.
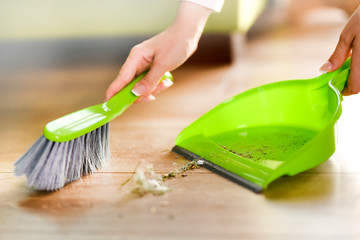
338,78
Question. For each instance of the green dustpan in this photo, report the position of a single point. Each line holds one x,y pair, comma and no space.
277,129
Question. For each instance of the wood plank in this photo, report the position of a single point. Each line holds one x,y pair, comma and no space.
200,206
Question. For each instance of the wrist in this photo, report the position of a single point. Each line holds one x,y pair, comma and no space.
191,19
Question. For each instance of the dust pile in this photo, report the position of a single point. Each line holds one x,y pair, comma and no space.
149,182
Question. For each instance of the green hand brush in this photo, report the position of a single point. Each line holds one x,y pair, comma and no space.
74,145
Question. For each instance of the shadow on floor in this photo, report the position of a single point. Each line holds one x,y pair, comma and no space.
304,187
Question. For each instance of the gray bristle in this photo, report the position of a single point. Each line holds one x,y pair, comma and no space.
50,165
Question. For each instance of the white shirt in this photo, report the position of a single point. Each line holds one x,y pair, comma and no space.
214,5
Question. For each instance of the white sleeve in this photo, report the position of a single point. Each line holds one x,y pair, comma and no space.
214,5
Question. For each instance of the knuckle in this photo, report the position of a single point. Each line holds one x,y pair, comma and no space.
345,38
353,90
148,83
136,49
161,64
119,76
192,47
356,37
336,57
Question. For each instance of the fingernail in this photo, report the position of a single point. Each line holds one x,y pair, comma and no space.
138,90
168,82
326,67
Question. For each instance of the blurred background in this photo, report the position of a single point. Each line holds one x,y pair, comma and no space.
47,34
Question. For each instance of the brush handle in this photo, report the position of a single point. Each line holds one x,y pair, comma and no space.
83,121
123,99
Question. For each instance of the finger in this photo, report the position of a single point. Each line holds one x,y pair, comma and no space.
145,99
346,91
164,84
340,54
150,81
134,64
353,83
127,72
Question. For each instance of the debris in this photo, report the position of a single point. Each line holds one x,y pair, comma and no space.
168,175
165,151
151,183
148,185
127,180
188,166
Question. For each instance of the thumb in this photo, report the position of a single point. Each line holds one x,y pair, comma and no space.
339,56
150,81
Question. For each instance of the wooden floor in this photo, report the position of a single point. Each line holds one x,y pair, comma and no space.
323,203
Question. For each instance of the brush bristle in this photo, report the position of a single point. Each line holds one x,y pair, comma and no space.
50,165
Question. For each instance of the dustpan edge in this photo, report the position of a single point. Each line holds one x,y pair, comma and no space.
217,169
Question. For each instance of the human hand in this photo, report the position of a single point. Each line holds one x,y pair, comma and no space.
163,52
348,44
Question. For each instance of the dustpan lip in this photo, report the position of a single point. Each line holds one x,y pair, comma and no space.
217,169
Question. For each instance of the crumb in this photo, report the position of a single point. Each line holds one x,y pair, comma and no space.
126,181
168,175
188,166
165,151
